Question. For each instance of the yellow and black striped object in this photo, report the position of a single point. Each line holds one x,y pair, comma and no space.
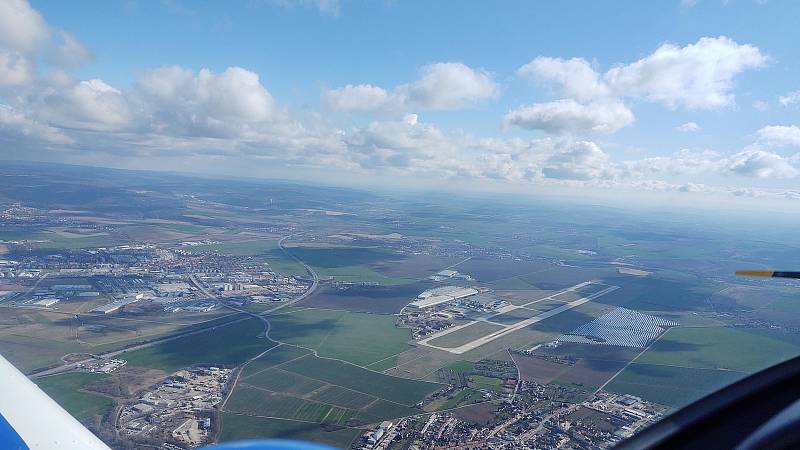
768,274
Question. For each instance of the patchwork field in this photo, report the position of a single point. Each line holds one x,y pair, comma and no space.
290,383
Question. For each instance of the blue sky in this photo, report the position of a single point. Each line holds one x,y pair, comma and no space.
688,96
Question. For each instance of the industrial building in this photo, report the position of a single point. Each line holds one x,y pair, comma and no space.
108,308
46,302
433,297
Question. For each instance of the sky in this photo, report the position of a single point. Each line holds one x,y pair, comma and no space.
695,99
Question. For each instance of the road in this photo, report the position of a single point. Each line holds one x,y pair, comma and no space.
32,288
519,377
308,268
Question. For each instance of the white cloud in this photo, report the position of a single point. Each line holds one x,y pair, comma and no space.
360,98
86,105
697,76
693,187
406,144
15,124
179,101
780,135
761,164
25,37
230,116
450,86
790,98
569,116
21,27
15,68
68,51
751,162
679,164
576,76
442,86
688,127
760,105
583,160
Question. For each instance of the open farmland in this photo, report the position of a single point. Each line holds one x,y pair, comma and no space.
351,264
224,345
717,347
358,338
285,383
373,299
240,426
399,390
668,385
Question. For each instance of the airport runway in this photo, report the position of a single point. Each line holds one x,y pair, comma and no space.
517,326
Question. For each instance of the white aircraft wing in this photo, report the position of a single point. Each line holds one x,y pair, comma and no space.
29,419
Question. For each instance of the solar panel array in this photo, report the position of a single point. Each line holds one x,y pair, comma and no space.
620,326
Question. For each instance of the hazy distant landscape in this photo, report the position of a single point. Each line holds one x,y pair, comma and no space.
305,293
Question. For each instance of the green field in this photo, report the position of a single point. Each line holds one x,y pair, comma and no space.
66,390
460,397
57,241
461,366
342,256
277,380
28,353
383,410
179,227
289,383
270,404
224,345
486,383
399,390
718,347
670,386
356,337
345,398
275,357
512,284
236,427
350,263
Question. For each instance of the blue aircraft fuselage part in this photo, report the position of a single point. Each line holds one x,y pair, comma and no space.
9,439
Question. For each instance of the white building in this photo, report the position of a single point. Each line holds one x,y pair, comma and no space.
441,295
